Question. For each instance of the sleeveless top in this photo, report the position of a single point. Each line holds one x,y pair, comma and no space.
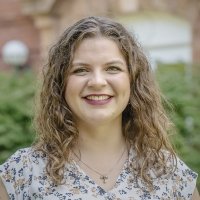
25,178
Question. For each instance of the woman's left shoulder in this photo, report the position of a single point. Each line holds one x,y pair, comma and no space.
183,179
184,171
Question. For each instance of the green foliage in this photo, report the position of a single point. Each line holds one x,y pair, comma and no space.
180,84
16,112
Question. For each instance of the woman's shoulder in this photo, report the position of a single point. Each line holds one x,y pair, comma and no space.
180,170
183,169
20,157
21,163
18,171
23,157
183,175
181,180
176,177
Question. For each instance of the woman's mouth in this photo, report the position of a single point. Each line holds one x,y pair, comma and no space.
100,99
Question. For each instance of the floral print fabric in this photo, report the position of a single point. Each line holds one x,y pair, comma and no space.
25,178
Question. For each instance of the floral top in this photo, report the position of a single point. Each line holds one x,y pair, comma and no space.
25,178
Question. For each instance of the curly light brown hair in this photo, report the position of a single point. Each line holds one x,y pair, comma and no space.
145,123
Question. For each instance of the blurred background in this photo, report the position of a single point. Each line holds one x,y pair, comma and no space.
169,32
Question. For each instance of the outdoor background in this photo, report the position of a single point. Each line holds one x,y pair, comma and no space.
169,32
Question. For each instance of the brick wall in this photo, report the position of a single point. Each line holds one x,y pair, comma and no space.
15,26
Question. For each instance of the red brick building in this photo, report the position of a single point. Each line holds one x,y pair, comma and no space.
14,25
38,23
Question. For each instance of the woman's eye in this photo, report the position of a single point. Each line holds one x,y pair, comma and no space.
80,71
113,69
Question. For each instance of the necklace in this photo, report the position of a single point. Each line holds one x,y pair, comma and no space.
103,177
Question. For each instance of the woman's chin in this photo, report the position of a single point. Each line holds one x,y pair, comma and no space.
100,120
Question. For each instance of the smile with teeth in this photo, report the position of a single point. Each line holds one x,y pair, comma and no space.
98,97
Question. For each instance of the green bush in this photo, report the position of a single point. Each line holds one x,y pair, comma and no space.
180,85
16,112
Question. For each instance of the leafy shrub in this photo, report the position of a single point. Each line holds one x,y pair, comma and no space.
16,112
180,84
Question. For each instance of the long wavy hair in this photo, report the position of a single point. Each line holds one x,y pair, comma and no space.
144,120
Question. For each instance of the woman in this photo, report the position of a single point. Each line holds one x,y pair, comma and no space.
102,130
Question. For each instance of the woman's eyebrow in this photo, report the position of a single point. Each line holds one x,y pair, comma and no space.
78,63
112,62
115,62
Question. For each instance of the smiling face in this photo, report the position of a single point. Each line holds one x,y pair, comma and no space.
98,85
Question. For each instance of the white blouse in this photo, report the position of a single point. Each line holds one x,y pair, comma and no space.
25,178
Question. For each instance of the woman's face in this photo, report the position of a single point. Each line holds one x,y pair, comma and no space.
98,85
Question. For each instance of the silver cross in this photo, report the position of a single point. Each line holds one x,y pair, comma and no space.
104,178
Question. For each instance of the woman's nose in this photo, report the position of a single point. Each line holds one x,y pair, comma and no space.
97,80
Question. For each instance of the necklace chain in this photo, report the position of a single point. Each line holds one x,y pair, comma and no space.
103,177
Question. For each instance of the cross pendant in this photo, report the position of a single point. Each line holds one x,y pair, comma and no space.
103,178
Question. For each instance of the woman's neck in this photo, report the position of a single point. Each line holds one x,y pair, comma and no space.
107,138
